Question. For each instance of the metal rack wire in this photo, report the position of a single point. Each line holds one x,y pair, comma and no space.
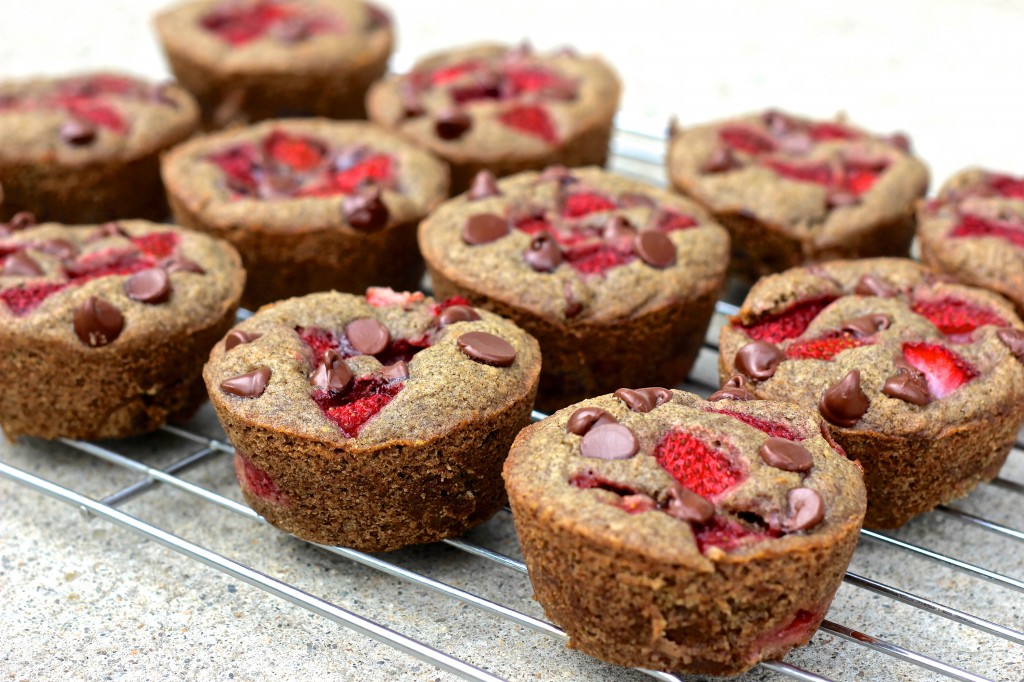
639,155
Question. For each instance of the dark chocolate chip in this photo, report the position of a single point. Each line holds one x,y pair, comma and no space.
844,403
20,264
733,389
249,385
396,372
77,133
866,325
1014,340
686,505
609,441
721,160
786,455
655,249
452,124
572,306
484,228
148,286
181,264
367,335
586,418
619,233
487,349
805,509
634,200
544,254
908,384
758,360
238,337
484,186
111,229
22,220
457,313
332,374
643,399
97,322
366,210
60,249
870,285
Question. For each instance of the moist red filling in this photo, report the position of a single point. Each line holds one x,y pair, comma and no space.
240,23
774,429
700,467
285,165
321,340
1007,186
86,99
1011,230
825,347
258,481
146,252
727,534
532,119
955,317
945,370
788,324
359,402
854,177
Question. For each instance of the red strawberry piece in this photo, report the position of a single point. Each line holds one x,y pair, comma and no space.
299,153
106,84
439,308
670,221
402,350
237,163
379,297
746,139
976,226
725,533
1007,186
831,131
580,204
112,261
448,74
318,340
699,467
955,317
596,259
157,244
788,324
774,429
360,402
240,23
374,168
102,115
23,299
945,370
588,478
859,177
825,347
257,481
819,174
533,224
531,119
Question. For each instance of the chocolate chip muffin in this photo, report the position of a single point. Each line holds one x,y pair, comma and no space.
375,422
312,204
503,109
85,148
792,190
919,379
672,533
105,328
974,231
617,280
250,60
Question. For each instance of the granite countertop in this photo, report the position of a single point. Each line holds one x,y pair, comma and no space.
85,600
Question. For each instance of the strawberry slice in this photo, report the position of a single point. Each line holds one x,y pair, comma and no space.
22,300
380,297
976,226
237,163
831,131
531,119
774,429
157,244
726,534
788,324
448,74
258,481
1007,186
670,221
318,340
945,370
595,259
299,153
859,177
374,168
825,347
956,317
819,174
580,204
746,139
358,403
699,467
102,115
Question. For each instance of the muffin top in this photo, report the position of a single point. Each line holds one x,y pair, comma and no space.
576,246
682,480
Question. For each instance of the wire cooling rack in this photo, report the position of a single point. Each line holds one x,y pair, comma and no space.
912,606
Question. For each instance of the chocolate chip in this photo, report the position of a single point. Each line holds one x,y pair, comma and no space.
572,306
758,360
1014,340
457,313
586,418
908,384
844,403
655,249
635,200
484,186
238,337
559,174
20,264
249,385
620,233
366,211
396,372
721,160
332,374
733,389
866,325
487,349
805,509
870,285
367,335
544,254
643,399
181,264
97,322
786,455
148,286
452,124
22,220
111,229
61,249
77,133
686,505
484,228
609,441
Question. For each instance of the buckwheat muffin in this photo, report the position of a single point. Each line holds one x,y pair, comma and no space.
374,422
974,231
792,190
503,109
105,328
616,279
312,204
919,379
85,148
672,533
250,60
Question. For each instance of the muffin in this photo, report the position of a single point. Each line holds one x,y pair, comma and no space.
250,60
312,205
672,533
792,191
974,231
375,422
617,280
503,109
105,328
918,378
85,148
